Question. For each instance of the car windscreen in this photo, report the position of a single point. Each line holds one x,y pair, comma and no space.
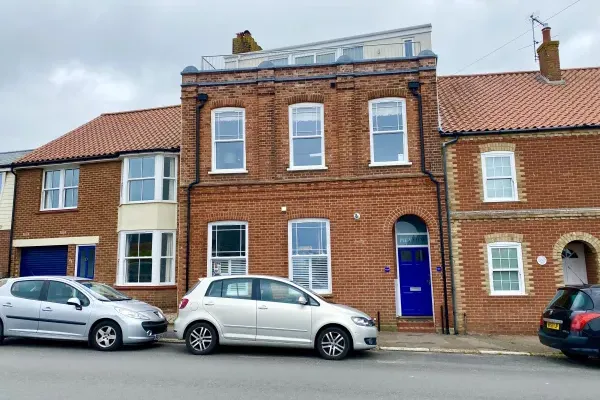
572,299
104,292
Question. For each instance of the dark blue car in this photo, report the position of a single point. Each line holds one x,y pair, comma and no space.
571,322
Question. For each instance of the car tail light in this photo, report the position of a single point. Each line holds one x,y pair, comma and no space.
184,302
541,321
581,320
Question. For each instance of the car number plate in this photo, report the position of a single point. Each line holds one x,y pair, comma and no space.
552,325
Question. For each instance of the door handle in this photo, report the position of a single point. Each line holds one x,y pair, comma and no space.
263,307
6,305
209,303
46,309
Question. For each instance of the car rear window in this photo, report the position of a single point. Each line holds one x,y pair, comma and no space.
572,299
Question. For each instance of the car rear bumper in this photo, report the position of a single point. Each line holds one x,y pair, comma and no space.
575,344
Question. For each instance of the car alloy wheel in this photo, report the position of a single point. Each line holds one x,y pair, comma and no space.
334,344
201,338
106,337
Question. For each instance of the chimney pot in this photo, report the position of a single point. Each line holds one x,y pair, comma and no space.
546,34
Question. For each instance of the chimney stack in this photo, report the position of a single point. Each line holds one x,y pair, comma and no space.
549,57
244,43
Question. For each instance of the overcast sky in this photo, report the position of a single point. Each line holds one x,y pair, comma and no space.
63,62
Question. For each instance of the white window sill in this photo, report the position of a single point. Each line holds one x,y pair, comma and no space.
144,285
390,164
150,202
58,209
500,200
228,171
504,294
308,168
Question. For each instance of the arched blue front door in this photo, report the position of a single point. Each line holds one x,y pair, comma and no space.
414,269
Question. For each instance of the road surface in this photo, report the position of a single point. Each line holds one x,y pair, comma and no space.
43,370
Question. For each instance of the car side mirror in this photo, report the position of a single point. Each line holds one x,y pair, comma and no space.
302,300
74,301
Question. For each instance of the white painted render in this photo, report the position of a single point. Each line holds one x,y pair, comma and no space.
60,241
147,216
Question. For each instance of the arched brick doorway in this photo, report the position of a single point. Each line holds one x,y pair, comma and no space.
577,259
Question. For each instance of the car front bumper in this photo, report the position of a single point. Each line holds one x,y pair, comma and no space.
365,337
138,331
574,344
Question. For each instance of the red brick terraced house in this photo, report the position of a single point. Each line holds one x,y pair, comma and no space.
320,163
101,202
7,199
522,162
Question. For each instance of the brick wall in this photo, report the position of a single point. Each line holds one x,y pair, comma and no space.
4,247
360,249
96,215
559,202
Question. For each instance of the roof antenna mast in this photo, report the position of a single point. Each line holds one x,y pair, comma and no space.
535,20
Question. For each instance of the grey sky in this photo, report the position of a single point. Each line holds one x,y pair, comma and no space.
66,61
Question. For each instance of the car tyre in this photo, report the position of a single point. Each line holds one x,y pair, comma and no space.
201,339
333,343
107,336
575,356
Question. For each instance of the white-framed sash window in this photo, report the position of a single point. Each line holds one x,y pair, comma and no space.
388,132
499,176
309,251
505,263
146,258
149,178
60,188
307,136
227,248
228,140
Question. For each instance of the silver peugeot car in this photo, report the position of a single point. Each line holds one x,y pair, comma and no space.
50,307
269,311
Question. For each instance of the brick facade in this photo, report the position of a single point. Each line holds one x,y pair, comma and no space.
360,249
4,246
96,215
559,202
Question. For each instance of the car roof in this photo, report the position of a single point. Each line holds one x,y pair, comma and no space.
68,278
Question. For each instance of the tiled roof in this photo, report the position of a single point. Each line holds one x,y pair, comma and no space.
114,133
11,156
518,100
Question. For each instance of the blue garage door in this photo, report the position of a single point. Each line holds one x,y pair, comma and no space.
51,260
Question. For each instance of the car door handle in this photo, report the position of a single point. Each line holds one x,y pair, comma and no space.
209,303
7,305
263,307
46,309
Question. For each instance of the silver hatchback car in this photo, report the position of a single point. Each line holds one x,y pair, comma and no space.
269,311
50,307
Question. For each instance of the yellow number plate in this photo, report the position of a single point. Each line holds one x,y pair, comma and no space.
551,325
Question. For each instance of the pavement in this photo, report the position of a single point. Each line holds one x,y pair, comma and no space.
467,344
54,370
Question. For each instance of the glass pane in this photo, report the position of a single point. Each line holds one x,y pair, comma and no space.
408,48
145,271
306,121
499,188
135,190
230,155
169,167
411,240
237,288
48,183
70,199
405,256
145,249
278,292
166,268
168,189
215,289
147,189
387,116
229,125
51,199
148,167
498,167
325,58
279,61
307,152
410,224
76,177
506,280
388,147
167,245
229,240
68,177
132,245
59,292
135,167
420,255
309,238
304,60
56,179
300,271
133,270
355,53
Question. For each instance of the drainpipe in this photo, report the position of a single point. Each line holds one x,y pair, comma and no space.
414,87
449,227
12,221
202,98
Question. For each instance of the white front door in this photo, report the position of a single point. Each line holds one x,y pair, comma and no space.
574,268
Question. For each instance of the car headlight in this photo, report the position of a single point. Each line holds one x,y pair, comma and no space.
131,314
362,321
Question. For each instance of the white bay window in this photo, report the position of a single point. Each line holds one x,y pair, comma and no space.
146,258
149,178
